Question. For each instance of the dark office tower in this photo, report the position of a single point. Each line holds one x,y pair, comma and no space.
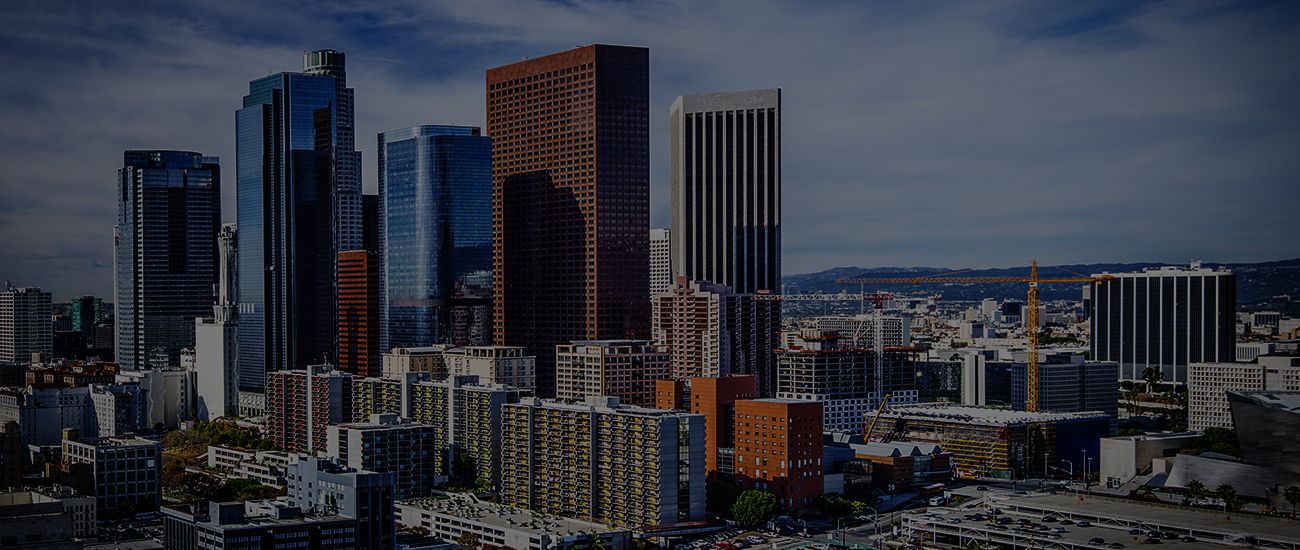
169,212
726,189
86,311
359,351
435,195
571,200
370,222
299,205
1165,318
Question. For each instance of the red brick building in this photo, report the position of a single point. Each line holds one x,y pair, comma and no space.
715,398
779,449
359,314
296,418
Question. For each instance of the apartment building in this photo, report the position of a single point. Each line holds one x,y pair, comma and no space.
626,369
507,365
779,449
711,331
300,404
603,461
388,443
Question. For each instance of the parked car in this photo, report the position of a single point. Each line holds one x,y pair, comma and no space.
1116,545
1151,540
1135,531
1066,522
1049,519
1188,538
1096,540
1084,523
981,488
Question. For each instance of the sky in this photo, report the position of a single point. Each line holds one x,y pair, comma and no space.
920,133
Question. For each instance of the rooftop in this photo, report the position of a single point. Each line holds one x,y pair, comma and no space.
502,516
978,415
1285,400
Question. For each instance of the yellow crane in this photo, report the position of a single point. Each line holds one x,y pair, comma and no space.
866,437
1031,324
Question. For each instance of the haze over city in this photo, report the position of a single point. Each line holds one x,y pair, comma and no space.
936,134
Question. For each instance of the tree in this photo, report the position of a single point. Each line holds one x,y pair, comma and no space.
1196,490
1151,375
1215,440
753,507
720,496
468,540
1292,495
1228,494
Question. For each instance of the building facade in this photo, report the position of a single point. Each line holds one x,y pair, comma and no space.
389,443
169,213
1208,384
300,404
254,524
359,316
299,197
725,174
86,311
844,381
127,473
602,461
626,369
661,263
1164,319
435,193
713,332
571,200
25,323
216,339
859,330
506,365
318,486
715,399
779,449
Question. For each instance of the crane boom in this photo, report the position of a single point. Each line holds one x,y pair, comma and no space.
866,437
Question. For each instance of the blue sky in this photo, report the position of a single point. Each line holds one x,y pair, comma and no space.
958,134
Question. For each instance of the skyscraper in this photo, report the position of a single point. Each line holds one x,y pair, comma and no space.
661,271
359,313
86,311
1165,318
571,200
435,194
169,212
25,323
726,189
299,199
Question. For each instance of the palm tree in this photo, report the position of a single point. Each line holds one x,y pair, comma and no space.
1292,495
1228,494
1196,490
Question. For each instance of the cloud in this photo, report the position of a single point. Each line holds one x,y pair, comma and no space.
914,134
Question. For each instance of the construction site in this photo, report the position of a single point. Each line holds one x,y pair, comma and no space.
996,443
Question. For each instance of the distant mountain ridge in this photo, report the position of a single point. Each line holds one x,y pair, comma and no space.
1255,281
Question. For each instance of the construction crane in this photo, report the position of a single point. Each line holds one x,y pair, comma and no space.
866,436
1031,403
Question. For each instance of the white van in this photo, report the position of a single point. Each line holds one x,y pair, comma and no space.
938,501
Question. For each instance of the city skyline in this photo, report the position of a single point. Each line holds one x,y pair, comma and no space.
959,136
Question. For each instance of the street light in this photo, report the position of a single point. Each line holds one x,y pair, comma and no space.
1085,469
875,522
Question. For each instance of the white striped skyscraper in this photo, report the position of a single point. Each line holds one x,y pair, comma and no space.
726,189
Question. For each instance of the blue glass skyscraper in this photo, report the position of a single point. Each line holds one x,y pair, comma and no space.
298,193
165,246
435,200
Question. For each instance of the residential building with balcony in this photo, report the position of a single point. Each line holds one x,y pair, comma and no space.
626,369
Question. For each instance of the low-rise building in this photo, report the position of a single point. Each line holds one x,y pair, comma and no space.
265,467
79,509
900,467
264,525
318,486
1124,458
126,472
32,520
505,526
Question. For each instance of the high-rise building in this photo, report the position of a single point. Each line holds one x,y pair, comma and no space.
86,311
435,193
493,365
389,443
299,194
571,200
661,262
216,340
1164,319
626,369
359,317
127,472
169,212
713,332
779,449
844,381
300,404
726,188
603,461
25,323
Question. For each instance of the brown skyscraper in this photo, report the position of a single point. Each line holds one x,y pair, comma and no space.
359,351
571,200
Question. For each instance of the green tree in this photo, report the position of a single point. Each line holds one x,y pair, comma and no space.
720,496
1196,490
591,541
1216,440
753,507
1292,495
1151,375
1228,494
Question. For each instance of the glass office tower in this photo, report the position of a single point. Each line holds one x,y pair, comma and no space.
435,196
296,171
169,212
